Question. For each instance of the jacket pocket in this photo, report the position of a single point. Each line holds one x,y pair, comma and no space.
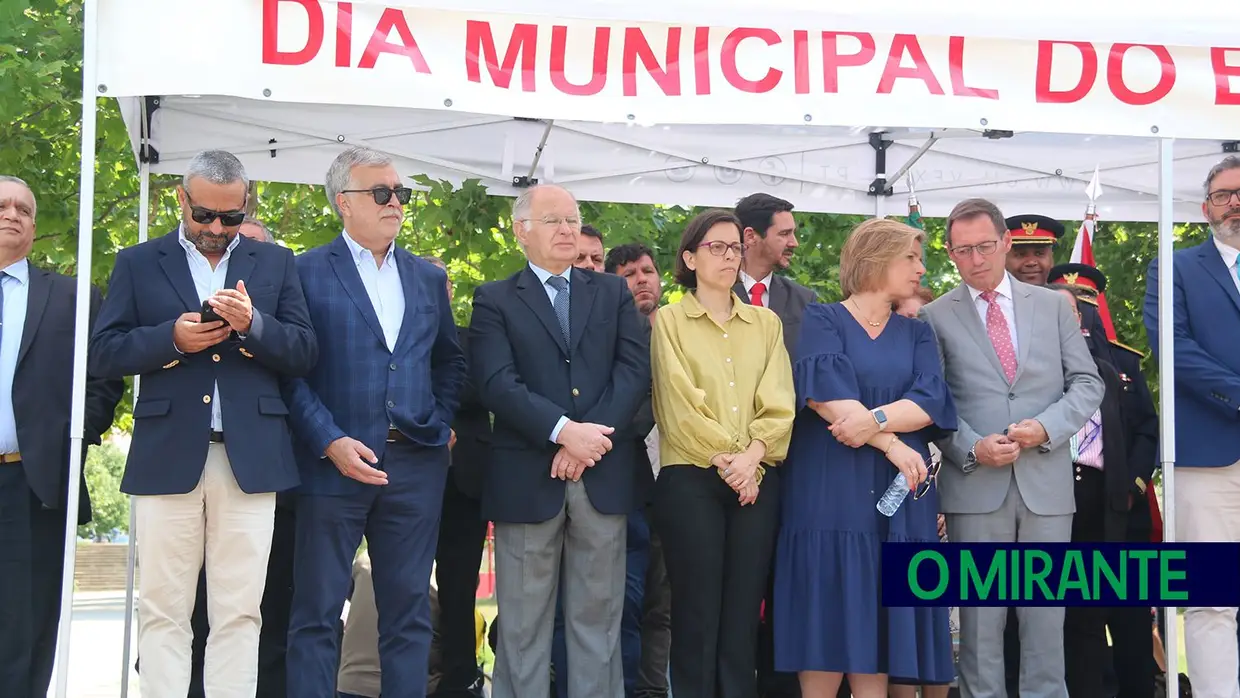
154,407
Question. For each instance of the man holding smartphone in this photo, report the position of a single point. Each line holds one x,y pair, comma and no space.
211,447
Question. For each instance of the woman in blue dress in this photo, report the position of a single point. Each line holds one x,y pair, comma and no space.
871,397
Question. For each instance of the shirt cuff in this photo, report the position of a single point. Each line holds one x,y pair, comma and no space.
555,433
256,327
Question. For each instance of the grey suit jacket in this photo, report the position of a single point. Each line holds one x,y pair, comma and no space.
788,300
1056,383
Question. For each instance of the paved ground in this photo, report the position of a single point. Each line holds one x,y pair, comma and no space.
96,647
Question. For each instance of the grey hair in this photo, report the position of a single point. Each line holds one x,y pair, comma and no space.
216,167
1231,162
251,220
341,171
521,207
10,179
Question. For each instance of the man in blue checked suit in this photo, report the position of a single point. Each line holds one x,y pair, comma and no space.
211,444
372,429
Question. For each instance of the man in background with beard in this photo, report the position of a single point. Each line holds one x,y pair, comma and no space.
1206,312
634,262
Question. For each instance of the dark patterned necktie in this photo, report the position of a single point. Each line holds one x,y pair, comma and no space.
560,305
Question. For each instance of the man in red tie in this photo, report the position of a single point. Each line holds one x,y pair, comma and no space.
770,238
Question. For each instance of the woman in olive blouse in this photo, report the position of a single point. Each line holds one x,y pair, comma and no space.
724,404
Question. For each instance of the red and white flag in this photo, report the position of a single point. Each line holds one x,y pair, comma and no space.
1083,251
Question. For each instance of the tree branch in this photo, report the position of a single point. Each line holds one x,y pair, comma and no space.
111,207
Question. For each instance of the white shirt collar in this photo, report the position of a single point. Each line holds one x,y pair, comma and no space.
749,281
1004,288
189,246
1228,252
361,253
19,270
543,274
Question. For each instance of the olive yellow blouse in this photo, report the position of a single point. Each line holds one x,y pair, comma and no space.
719,387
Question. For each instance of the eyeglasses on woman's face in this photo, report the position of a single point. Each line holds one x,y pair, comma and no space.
720,248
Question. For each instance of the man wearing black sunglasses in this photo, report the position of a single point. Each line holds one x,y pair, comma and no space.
372,423
201,498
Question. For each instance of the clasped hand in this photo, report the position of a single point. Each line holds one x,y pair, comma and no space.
740,472
582,444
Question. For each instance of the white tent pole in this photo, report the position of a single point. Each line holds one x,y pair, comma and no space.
131,559
1166,381
86,208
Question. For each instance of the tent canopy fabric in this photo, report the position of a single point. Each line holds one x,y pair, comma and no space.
818,168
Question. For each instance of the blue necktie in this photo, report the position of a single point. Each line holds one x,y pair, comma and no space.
560,305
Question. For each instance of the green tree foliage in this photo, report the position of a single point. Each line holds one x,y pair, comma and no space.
104,467
40,70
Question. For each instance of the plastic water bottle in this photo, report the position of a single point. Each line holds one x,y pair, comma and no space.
894,496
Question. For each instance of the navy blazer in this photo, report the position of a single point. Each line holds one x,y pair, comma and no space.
43,390
1206,307
528,379
151,287
359,388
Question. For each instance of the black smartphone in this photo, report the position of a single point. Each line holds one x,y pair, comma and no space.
209,314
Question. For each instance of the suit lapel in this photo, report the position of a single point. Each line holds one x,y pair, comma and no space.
739,289
408,282
240,264
346,270
531,292
1025,310
1210,258
36,302
581,292
176,267
966,312
780,293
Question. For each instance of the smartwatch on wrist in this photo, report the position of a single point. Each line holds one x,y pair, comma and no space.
880,417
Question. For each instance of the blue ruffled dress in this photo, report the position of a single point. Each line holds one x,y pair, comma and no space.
828,615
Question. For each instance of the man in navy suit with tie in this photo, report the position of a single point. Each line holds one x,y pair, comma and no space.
1206,307
372,422
211,445
558,355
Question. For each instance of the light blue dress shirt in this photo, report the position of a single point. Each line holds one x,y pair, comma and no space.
206,282
382,283
16,286
543,275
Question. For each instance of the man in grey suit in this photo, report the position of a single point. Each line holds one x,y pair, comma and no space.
770,238
1024,383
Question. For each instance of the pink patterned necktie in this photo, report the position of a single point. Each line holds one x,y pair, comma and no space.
1000,334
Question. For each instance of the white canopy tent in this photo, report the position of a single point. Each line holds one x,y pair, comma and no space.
689,102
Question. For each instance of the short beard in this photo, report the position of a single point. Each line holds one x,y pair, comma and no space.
1227,230
208,243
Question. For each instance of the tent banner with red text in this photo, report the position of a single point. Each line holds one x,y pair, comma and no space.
389,55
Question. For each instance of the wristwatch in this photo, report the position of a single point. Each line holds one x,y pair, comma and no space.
970,460
880,417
